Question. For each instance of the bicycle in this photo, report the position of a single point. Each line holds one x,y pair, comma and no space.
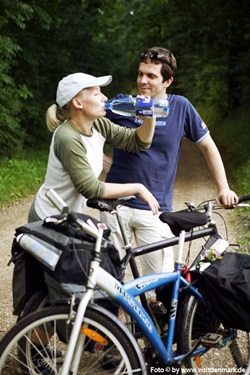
175,220
162,351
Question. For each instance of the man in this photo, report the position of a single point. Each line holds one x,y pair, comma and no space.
156,167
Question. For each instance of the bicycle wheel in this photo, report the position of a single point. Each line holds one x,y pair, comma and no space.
40,300
194,322
37,301
108,347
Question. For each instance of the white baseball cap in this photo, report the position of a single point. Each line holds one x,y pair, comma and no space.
72,84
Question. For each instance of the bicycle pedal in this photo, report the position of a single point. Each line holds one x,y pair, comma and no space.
212,339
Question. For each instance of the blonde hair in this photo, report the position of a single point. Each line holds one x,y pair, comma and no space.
55,116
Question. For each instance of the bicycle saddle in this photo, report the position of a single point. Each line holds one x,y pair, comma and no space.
183,220
108,205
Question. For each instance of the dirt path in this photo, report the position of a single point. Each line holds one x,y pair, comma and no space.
193,183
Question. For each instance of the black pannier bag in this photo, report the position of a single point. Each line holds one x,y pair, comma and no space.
28,277
74,251
227,289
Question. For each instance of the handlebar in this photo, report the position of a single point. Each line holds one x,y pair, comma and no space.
64,209
211,205
207,208
244,198
57,201
110,204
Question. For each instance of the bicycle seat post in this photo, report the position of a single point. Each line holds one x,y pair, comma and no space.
127,244
181,242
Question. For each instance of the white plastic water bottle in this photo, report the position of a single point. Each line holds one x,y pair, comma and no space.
130,106
46,253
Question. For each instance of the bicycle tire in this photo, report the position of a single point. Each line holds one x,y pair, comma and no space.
119,348
37,301
194,322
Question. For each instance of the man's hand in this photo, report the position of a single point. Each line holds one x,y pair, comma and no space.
227,198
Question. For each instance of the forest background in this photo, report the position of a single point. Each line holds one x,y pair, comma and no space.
40,42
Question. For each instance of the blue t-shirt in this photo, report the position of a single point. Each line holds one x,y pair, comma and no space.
156,167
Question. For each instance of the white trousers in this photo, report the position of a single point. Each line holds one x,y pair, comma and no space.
144,228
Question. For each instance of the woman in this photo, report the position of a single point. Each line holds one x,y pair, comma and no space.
76,150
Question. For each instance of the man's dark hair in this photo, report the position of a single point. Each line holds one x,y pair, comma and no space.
162,56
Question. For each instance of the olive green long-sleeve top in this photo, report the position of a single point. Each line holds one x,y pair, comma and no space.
76,161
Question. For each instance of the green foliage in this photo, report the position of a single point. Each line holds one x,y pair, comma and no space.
240,218
40,43
211,42
14,91
21,175
233,138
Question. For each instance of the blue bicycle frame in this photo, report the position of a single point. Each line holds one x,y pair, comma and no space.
125,296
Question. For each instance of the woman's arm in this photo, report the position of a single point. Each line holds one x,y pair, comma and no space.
72,153
112,190
146,131
127,139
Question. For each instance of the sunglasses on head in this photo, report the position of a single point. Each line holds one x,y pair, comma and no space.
153,55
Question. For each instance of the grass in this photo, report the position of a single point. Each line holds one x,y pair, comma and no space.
243,229
21,175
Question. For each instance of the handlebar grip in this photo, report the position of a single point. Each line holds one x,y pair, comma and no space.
100,205
57,201
244,198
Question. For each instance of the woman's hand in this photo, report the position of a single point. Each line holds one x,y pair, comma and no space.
113,191
148,197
